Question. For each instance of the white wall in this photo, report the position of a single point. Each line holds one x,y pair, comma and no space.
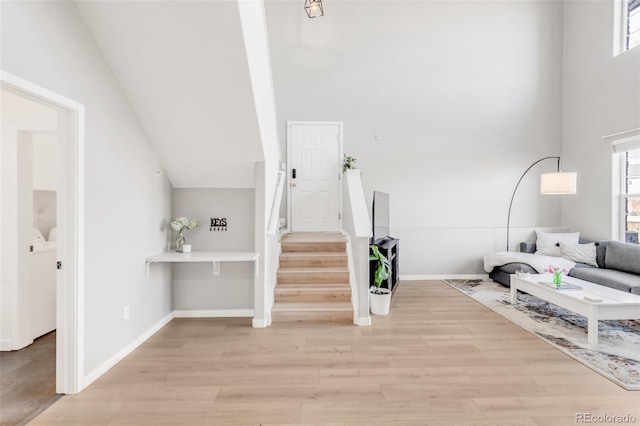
601,97
463,97
127,205
45,181
256,44
183,68
45,161
194,286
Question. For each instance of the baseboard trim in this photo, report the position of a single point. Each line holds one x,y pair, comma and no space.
260,323
106,366
363,322
444,277
5,345
214,313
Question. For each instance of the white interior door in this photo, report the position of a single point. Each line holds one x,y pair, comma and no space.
315,151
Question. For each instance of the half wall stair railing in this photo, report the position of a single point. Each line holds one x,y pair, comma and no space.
357,226
273,241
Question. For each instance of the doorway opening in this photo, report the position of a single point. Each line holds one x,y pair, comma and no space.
29,205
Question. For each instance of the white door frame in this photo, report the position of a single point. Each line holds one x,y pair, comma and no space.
340,154
70,287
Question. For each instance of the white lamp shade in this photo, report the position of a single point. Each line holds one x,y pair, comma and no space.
558,183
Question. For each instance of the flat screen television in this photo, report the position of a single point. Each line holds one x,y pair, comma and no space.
380,215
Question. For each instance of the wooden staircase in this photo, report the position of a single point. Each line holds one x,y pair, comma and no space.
313,280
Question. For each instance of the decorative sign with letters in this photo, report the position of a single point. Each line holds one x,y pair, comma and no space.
218,224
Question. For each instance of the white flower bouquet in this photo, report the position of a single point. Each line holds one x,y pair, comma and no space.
180,225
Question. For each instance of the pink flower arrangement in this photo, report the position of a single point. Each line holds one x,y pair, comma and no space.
557,274
555,270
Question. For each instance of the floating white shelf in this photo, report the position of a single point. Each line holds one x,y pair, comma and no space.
213,257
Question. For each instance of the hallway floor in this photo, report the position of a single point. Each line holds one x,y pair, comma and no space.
27,380
439,359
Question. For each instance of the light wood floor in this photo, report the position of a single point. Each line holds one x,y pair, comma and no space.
439,358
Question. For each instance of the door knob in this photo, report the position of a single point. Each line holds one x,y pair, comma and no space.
293,184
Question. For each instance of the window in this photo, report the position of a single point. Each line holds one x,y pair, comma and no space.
627,174
631,23
630,196
626,25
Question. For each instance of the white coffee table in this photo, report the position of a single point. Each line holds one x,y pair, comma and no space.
594,301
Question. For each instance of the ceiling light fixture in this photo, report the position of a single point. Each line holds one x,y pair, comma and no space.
313,8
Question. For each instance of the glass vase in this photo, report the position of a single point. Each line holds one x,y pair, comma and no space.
557,279
179,242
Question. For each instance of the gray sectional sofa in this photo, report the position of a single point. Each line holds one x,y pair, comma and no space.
618,266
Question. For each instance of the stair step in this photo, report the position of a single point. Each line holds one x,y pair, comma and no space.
313,307
322,286
313,280
341,286
313,237
314,247
314,294
313,259
312,317
307,269
313,275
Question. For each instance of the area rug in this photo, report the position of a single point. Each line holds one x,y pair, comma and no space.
617,356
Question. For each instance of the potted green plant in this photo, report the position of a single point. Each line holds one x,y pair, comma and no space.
348,163
379,298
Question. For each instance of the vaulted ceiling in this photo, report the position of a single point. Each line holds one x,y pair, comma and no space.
183,68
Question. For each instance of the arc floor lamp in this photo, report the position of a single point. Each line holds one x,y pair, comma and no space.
554,183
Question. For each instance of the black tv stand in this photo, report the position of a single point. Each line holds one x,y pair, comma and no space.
390,248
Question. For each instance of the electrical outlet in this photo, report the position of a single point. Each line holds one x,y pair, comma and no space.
126,312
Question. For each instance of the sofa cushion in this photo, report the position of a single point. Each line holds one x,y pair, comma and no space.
581,253
619,280
547,243
623,257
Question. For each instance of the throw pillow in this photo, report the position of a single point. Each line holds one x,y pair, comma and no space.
601,248
547,243
580,253
623,257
